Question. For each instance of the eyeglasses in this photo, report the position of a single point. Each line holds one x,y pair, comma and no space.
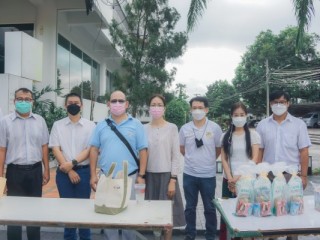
279,102
24,99
118,100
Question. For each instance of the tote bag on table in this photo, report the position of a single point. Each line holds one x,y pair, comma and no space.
113,194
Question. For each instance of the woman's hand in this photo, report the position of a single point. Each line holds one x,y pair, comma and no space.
232,183
171,189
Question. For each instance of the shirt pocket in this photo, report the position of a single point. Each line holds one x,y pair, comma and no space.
290,141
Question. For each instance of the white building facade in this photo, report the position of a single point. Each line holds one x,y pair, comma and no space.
76,50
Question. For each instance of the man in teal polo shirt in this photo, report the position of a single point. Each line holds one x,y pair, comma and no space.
112,149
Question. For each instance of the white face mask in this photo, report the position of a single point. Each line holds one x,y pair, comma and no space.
198,114
239,121
279,109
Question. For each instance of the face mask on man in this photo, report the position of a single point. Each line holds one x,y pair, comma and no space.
279,109
198,114
239,121
156,112
117,108
23,107
73,109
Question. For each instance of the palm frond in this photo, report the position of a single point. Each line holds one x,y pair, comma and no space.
304,10
196,10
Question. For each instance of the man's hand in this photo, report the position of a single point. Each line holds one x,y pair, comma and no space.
66,167
74,177
94,181
140,180
304,181
45,176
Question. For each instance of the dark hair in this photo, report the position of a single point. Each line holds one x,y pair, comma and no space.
24,90
200,99
227,139
158,96
72,94
278,94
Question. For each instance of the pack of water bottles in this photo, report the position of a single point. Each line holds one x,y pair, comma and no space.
258,196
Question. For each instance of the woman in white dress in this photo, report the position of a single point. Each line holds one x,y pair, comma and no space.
239,145
163,159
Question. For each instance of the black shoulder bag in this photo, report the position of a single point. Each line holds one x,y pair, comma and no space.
124,140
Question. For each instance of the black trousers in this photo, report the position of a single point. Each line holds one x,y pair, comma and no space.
24,181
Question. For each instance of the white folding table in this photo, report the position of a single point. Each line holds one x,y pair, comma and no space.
63,212
304,224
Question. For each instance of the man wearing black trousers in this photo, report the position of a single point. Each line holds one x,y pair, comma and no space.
24,141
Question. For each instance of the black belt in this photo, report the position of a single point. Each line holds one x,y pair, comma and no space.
80,167
25,167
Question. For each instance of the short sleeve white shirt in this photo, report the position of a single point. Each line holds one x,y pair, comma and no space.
239,155
23,138
71,137
282,142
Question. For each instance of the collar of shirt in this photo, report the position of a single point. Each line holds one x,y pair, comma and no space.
129,117
15,115
68,121
203,126
289,118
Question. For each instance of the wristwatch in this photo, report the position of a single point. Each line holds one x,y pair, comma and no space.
74,162
142,175
174,177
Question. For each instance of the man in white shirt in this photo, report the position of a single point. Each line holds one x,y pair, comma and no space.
200,145
69,140
284,138
24,148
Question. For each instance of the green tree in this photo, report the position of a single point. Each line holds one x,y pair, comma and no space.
221,95
279,50
146,44
304,10
177,112
181,91
196,10
47,108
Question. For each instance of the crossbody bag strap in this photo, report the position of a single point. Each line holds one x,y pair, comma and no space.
123,139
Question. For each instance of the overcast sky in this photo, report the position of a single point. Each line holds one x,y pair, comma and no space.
222,35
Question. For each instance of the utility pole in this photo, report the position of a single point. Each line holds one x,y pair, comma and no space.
267,86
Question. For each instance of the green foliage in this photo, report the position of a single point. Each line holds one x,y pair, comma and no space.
148,42
221,95
303,11
279,50
196,10
177,112
47,108
181,91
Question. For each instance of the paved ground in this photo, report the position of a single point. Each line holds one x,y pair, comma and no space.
50,190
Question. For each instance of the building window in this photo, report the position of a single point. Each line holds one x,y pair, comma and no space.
77,72
27,28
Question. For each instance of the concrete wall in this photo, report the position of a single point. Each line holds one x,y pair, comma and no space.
9,84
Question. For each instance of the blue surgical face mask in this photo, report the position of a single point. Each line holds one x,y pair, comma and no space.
23,107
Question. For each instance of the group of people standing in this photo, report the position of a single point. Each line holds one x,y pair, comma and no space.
81,148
